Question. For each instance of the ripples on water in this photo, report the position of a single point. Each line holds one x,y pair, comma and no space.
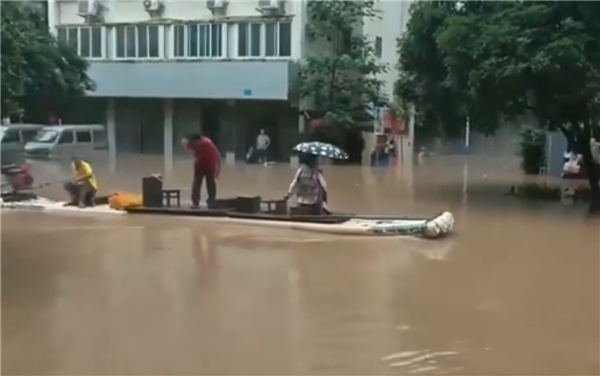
514,292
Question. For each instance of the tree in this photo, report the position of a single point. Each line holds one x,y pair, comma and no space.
505,59
38,73
343,81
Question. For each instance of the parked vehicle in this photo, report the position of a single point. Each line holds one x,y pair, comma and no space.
64,141
15,136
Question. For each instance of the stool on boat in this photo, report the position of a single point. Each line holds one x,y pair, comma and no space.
168,195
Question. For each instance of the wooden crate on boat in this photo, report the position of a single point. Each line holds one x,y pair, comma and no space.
247,204
274,207
222,203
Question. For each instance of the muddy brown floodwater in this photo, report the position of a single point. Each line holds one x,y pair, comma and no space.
515,291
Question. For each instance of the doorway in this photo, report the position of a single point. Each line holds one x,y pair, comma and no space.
210,124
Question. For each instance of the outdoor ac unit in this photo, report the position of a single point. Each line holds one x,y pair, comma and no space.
271,5
216,4
87,8
153,6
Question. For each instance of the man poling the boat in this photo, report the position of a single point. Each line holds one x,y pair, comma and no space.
207,165
309,184
83,187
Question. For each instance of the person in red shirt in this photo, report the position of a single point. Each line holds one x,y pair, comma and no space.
207,165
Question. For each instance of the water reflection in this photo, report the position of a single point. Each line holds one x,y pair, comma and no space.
514,292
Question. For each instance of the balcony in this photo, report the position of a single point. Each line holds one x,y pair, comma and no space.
242,60
264,80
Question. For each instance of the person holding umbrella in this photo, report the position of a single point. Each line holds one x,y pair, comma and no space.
308,184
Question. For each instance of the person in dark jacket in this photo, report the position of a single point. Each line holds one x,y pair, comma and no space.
207,165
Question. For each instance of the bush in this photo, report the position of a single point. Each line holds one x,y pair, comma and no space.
532,150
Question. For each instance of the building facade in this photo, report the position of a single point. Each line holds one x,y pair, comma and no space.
167,68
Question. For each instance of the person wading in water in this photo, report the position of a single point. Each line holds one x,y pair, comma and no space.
207,166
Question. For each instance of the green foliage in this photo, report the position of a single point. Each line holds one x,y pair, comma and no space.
341,81
532,150
37,72
487,60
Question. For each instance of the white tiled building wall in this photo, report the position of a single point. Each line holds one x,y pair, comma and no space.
127,21
128,32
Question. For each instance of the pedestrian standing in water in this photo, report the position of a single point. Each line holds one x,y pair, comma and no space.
263,141
207,166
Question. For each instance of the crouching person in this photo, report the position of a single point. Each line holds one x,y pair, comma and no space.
82,189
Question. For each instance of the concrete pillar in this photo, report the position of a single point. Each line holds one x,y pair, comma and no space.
168,136
52,15
407,142
228,132
111,133
301,124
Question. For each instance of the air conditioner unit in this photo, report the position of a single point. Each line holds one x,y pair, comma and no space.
271,5
216,4
153,6
87,8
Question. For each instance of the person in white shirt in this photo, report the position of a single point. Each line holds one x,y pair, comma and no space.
262,144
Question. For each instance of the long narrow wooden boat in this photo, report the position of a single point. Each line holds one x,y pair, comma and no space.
436,226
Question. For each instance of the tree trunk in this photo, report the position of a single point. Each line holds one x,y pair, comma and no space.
332,85
592,169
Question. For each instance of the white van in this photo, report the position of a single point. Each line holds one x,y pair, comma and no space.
13,137
64,141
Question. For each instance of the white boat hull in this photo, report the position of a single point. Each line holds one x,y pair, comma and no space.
50,206
436,227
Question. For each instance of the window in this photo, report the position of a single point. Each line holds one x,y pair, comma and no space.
278,39
66,137
83,136
138,41
271,39
378,46
249,39
88,41
198,40
47,136
342,42
28,135
285,39
100,142
10,135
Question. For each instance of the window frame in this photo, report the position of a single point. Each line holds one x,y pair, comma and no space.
378,47
235,41
11,132
224,38
79,28
64,132
24,132
83,131
161,42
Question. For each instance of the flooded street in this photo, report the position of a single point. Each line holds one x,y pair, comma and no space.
515,291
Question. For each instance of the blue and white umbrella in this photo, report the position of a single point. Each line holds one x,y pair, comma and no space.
321,149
